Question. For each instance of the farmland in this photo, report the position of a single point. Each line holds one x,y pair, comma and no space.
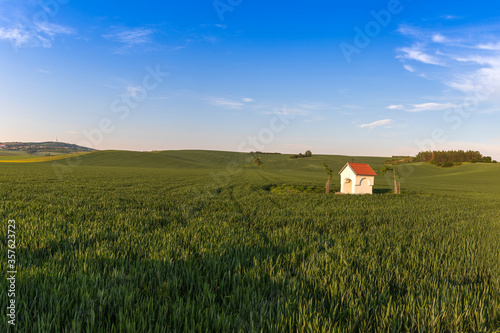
120,241
15,157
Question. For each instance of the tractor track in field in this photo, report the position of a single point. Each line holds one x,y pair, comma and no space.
260,173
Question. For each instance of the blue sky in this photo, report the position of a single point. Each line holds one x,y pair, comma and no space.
358,78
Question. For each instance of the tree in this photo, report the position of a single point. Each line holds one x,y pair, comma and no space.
329,172
395,175
487,159
308,153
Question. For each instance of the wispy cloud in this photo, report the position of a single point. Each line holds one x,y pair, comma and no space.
308,111
409,68
130,38
423,107
431,107
451,17
224,102
471,56
438,38
229,103
152,37
415,53
43,71
489,46
33,35
204,33
384,122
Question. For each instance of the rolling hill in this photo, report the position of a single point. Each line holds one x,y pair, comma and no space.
280,169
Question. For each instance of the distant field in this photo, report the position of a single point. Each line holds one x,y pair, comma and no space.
117,241
12,157
20,158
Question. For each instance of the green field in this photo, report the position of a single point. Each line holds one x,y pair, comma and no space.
117,241
15,155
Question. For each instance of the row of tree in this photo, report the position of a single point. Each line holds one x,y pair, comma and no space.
452,156
306,154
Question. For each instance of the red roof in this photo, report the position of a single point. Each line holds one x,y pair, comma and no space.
362,169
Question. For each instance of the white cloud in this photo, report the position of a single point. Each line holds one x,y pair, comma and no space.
53,29
35,35
384,122
423,107
438,38
43,71
451,17
248,100
131,36
431,107
131,39
489,46
483,83
470,55
409,31
224,102
409,68
414,53
17,35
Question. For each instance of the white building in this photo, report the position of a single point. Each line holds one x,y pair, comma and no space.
357,178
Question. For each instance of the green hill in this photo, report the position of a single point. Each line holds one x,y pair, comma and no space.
280,169
477,177
220,159
191,159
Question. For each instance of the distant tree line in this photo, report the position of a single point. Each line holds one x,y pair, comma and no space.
453,156
261,152
306,154
55,147
443,158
